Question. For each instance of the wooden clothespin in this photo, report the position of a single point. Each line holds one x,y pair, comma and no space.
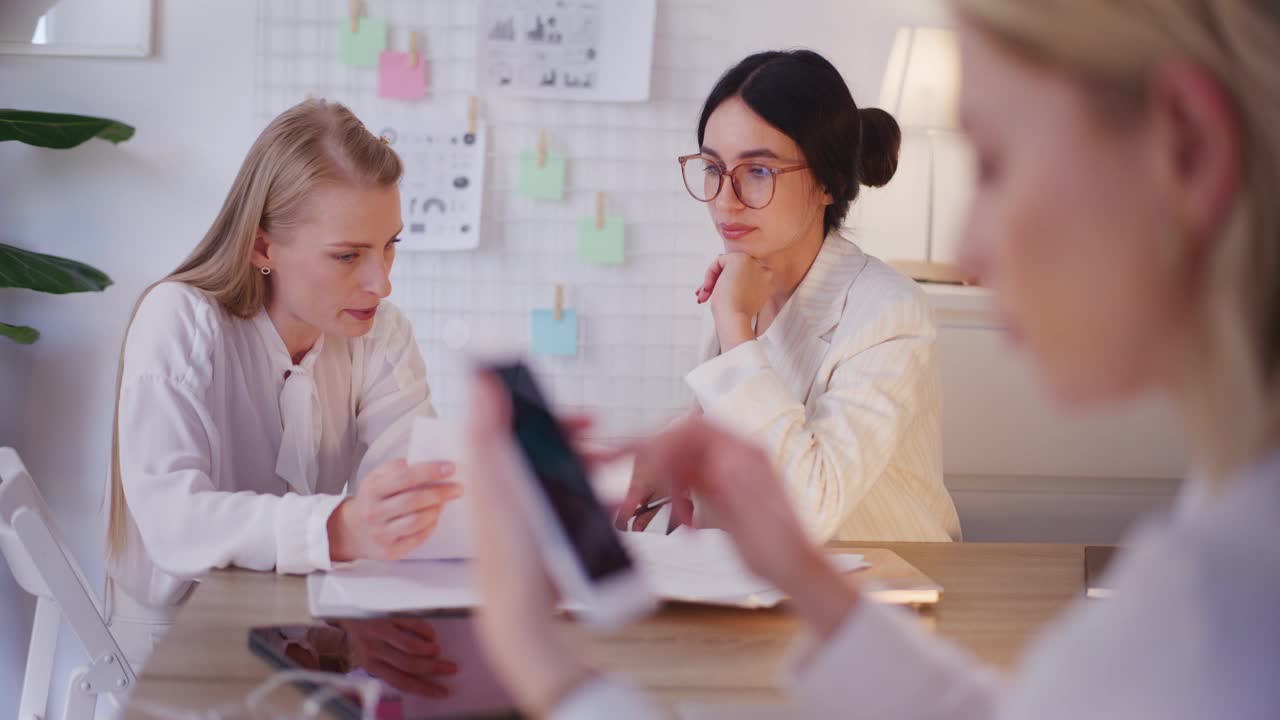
473,115
354,14
599,211
559,307
413,48
542,148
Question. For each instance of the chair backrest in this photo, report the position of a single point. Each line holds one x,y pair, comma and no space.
19,492
42,562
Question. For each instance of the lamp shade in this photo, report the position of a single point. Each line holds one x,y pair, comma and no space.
922,81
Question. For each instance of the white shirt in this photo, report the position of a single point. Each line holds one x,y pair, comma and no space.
1191,633
224,461
843,392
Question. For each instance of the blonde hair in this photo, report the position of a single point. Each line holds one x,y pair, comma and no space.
1229,392
312,143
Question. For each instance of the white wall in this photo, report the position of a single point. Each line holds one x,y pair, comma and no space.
132,210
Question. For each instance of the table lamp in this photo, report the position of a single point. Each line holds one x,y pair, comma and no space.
920,89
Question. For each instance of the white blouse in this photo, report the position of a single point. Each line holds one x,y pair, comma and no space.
230,454
842,391
1190,633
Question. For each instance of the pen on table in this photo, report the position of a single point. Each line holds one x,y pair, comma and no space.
651,505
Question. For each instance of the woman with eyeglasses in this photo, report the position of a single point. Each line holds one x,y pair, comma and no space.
819,352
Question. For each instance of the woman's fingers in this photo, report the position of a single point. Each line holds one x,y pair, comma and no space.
709,279
414,626
681,514
397,476
412,524
398,549
576,426
396,635
642,521
638,494
415,682
417,500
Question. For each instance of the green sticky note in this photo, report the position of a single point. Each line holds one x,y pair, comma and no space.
601,247
362,47
542,183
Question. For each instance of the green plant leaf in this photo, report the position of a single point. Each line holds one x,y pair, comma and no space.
48,273
20,334
57,130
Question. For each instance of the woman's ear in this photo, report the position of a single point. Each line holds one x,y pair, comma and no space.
1201,144
823,192
261,256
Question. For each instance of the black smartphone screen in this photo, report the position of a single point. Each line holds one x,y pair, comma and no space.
562,476
400,652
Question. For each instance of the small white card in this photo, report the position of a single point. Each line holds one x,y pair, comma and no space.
435,440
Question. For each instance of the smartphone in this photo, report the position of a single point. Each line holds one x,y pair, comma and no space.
371,648
583,551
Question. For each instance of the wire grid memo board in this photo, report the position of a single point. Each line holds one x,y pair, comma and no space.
639,326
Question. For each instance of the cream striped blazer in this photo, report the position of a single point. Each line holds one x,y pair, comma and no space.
843,393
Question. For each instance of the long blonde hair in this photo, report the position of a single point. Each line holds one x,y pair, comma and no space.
312,143
1229,397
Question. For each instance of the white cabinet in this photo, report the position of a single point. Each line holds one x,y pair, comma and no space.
1022,468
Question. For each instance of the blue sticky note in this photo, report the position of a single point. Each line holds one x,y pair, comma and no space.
542,183
598,246
362,47
555,338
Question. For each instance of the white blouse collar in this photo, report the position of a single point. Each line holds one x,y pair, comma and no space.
298,461
276,349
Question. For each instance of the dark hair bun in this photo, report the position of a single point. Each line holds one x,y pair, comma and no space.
881,141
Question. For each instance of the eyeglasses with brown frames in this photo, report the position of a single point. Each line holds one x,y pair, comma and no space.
753,183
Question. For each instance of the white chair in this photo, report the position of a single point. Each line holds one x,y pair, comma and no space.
44,566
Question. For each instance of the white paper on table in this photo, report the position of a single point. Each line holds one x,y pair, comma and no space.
703,566
433,440
375,586
699,566
370,587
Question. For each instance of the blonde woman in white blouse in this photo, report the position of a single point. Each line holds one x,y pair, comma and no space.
821,353
1125,212
267,377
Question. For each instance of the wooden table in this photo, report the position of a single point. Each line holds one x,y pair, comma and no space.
996,597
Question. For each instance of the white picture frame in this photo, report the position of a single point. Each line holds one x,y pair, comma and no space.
101,28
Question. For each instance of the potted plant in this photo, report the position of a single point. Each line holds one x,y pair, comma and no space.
36,271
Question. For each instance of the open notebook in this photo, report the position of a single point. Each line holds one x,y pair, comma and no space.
697,566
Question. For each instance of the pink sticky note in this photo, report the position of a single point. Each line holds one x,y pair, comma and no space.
397,78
